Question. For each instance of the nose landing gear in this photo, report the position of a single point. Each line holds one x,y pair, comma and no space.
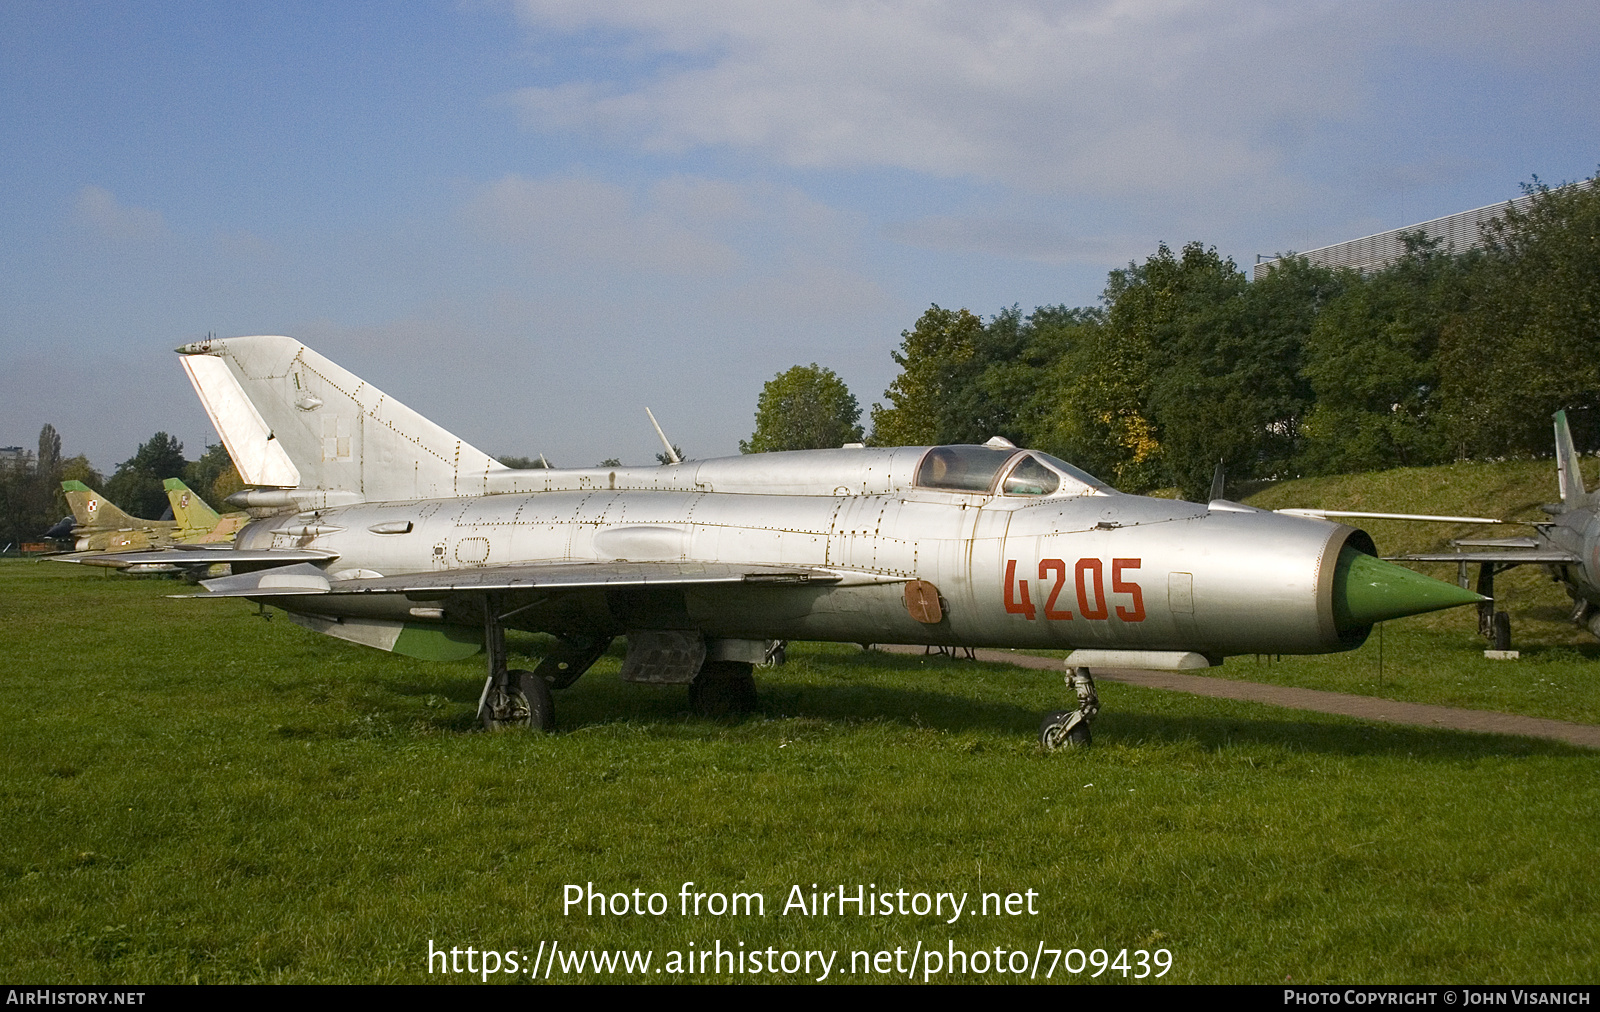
1070,728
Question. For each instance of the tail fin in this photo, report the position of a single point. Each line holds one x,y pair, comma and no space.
292,419
91,510
188,508
1567,469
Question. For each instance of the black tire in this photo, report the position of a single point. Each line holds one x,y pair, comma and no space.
1500,631
723,688
525,704
541,705
1051,738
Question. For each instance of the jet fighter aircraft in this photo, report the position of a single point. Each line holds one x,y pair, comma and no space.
100,527
1568,546
379,527
104,535
198,523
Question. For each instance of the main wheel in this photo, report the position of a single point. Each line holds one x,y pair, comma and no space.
541,705
722,688
1054,734
524,701
1500,631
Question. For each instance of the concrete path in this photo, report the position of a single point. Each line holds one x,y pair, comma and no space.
1366,707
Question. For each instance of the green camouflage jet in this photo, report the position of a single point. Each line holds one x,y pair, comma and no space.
198,523
103,532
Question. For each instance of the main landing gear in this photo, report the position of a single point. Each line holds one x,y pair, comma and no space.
511,698
1070,728
723,688
1495,626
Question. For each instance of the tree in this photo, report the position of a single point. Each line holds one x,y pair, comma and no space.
1027,372
30,489
213,476
1529,343
1372,361
938,361
136,485
806,408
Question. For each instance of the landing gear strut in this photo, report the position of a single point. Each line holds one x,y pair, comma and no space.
511,698
1493,625
1070,728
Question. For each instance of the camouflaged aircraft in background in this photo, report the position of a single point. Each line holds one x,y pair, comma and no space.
198,523
100,527
103,535
379,527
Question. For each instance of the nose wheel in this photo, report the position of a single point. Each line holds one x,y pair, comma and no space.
1070,728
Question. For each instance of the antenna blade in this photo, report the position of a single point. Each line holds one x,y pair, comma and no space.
672,454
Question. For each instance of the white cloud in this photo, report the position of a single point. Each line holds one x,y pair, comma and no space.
586,222
97,208
683,226
1039,240
1108,97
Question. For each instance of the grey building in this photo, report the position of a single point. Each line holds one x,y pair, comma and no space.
1460,231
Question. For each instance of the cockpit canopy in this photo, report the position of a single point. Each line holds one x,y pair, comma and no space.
979,469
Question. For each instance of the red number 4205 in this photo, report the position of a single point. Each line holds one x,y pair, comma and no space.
1089,582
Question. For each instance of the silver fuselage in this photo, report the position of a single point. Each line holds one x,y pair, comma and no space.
1081,568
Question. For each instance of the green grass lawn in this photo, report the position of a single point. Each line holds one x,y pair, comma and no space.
191,792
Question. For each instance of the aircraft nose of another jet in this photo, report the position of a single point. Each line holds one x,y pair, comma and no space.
1368,590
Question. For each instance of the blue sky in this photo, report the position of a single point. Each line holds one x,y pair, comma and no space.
529,220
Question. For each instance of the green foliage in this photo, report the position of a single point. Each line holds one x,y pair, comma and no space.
525,463
1192,365
806,408
1441,355
939,362
213,476
1372,359
30,490
136,486
1529,343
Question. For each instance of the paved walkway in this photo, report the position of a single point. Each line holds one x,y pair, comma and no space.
1344,703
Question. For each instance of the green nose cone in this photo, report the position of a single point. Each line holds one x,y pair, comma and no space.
1368,590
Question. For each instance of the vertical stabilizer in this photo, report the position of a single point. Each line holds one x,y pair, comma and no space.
188,509
91,510
1567,468
293,419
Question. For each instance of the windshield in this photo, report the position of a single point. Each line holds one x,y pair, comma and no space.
1074,476
1030,477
